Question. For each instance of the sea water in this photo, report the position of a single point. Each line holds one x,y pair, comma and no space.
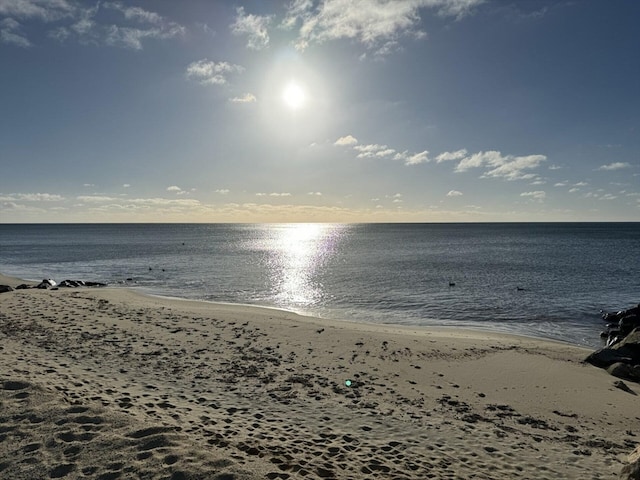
544,279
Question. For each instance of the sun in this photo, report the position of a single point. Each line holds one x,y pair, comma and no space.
294,96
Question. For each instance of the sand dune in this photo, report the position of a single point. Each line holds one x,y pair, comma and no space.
107,383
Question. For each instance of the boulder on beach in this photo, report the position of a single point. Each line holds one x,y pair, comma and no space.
46,283
5,288
615,357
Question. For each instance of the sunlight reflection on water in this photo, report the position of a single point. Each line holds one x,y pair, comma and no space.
294,256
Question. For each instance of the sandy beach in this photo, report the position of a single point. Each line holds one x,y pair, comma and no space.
107,383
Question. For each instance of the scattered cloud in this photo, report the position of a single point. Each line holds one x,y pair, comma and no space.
126,185
614,166
246,98
273,194
135,13
446,156
31,197
43,10
508,167
346,141
608,196
561,184
413,158
254,27
223,191
377,24
175,188
538,194
96,25
454,193
373,151
316,194
89,185
10,33
211,73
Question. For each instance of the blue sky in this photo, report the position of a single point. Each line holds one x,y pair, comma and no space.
306,110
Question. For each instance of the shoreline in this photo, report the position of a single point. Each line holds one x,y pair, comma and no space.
272,394
488,331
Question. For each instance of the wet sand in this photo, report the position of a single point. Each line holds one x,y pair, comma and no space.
108,383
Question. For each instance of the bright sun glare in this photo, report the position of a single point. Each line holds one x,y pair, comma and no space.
294,96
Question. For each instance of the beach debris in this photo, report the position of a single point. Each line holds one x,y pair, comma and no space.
623,386
631,471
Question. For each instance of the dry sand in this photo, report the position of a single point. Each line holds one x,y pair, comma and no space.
111,384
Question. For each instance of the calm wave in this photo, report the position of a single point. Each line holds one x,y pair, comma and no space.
548,280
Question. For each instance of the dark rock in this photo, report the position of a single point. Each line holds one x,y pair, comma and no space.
626,351
23,286
46,283
626,371
5,288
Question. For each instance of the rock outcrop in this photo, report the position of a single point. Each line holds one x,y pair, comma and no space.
621,359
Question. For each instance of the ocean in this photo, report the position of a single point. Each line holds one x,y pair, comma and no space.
548,280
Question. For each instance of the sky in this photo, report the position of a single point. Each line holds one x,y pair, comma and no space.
319,111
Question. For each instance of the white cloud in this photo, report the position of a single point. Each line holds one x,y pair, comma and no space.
614,166
377,24
316,194
574,190
31,197
561,184
10,33
126,185
508,167
538,194
373,150
44,10
346,141
454,193
608,196
96,199
254,27
446,156
134,24
135,13
211,73
223,191
246,98
413,158
174,188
